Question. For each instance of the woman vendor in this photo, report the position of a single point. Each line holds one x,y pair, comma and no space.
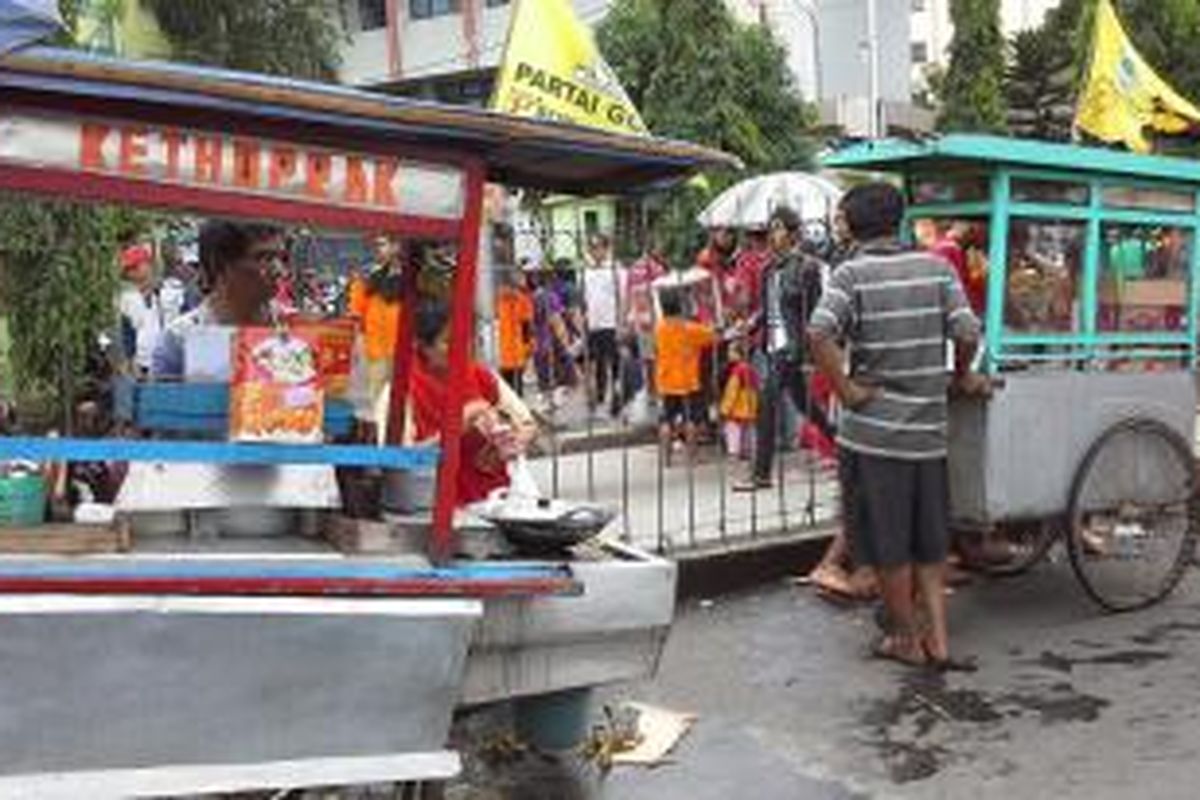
497,425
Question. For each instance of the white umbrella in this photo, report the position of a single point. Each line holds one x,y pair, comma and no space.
749,204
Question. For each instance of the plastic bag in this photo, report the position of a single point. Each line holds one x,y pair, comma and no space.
521,480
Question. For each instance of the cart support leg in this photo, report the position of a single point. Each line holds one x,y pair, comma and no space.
461,312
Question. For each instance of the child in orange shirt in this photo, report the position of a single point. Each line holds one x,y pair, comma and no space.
739,403
514,327
679,347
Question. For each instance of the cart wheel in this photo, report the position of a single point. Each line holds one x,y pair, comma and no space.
1028,542
1132,518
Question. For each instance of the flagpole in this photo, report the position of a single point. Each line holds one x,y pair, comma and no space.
1086,75
513,16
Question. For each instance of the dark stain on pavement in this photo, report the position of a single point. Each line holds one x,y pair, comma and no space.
1122,658
1166,632
1061,704
1053,661
1130,658
908,762
901,726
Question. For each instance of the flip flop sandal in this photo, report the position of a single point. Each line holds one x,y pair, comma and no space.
880,617
952,664
881,651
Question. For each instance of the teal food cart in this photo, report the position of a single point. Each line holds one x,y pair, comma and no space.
1082,264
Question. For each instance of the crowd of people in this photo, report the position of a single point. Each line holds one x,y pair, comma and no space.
849,334
717,349
850,338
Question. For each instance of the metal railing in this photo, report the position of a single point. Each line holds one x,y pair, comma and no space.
588,452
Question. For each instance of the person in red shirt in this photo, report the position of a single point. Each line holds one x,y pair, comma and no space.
748,267
639,289
489,440
950,242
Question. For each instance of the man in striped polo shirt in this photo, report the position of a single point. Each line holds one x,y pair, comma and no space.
896,310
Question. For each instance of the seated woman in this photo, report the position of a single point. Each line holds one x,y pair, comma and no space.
497,426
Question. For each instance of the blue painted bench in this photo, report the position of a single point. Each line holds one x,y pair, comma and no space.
203,411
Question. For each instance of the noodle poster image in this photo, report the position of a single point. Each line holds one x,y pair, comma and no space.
277,393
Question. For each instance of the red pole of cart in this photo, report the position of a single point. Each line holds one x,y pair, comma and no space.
462,314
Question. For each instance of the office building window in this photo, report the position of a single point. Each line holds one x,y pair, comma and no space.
427,9
496,3
372,14
920,52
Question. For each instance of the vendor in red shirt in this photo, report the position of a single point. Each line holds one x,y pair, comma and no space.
717,258
494,432
952,243
748,267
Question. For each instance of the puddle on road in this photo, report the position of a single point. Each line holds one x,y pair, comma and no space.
912,730
902,727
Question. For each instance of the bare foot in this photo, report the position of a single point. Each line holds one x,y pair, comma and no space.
832,579
864,583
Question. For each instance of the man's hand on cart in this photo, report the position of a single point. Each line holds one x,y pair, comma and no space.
973,384
854,394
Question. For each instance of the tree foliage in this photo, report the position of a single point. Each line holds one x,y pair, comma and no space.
59,281
297,38
58,260
973,90
1040,86
696,73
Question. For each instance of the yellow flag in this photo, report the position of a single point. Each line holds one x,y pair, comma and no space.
553,70
1124,96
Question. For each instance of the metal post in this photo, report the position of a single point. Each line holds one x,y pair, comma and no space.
462,308
814,24
873,69
661,491
723,453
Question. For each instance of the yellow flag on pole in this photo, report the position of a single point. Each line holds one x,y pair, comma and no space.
1123,95
553,70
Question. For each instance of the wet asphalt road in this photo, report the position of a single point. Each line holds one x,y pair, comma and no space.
1068,703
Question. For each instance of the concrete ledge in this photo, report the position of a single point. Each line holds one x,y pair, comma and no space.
710,571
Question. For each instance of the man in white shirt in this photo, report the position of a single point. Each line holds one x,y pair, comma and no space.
603,287
140,304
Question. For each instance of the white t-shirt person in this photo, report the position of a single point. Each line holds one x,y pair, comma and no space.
603,287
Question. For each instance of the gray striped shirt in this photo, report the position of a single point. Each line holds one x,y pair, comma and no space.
897,309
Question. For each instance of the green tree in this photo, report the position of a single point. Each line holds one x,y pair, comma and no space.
1040,86
58,264
973,90
696,73
296,38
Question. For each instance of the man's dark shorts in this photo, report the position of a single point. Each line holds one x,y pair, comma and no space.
678,409
900,509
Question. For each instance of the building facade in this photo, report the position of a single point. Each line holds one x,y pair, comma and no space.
448,50
932,30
